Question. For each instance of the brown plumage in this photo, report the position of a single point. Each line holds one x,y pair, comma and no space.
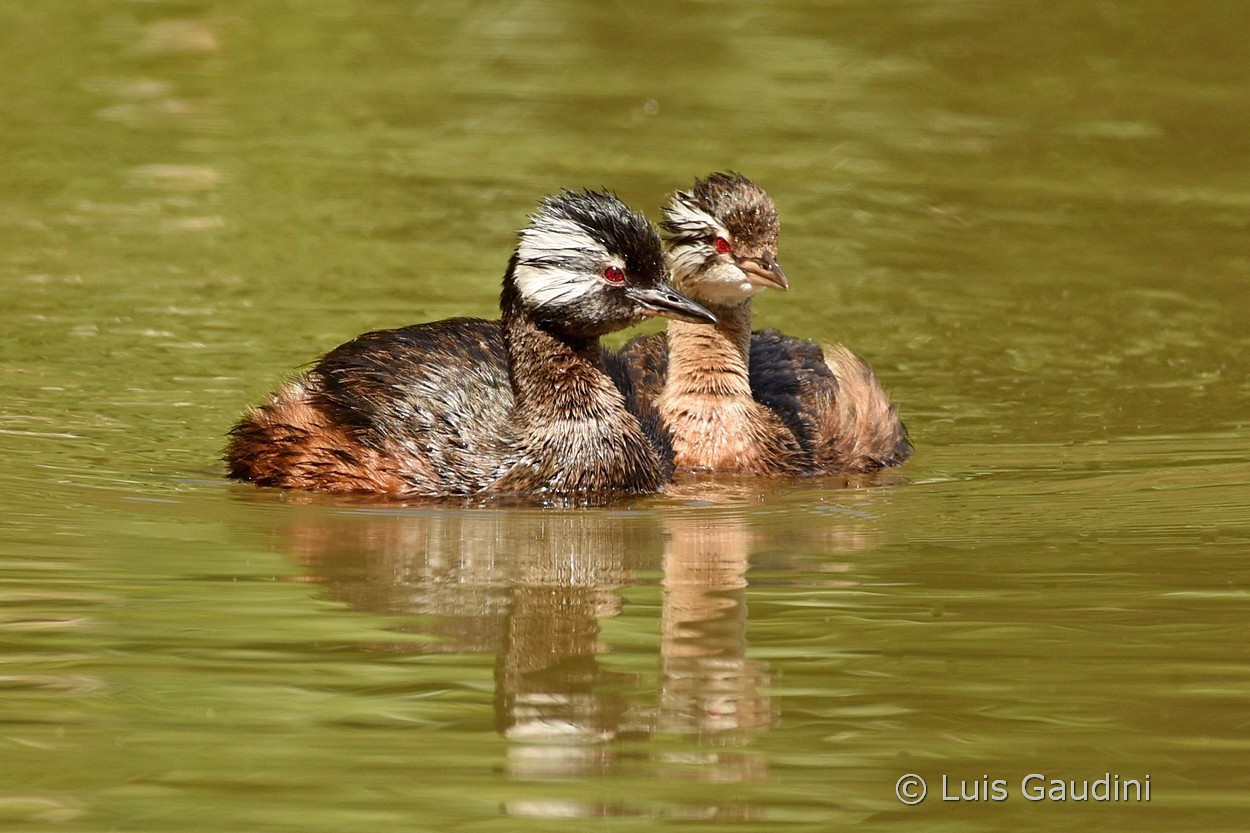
519,406
831,400
694,382
730,400
291,441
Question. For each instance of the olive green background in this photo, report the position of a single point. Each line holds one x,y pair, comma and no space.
1031,218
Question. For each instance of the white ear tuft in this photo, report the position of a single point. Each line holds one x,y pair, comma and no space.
557,261
542,285
548,238
685,217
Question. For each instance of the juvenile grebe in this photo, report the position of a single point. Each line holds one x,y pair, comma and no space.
522,405
762,403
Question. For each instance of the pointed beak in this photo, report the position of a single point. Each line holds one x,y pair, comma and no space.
668,302
764,271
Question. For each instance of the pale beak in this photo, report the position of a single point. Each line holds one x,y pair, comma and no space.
764,271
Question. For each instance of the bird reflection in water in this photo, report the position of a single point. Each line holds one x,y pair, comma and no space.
534,587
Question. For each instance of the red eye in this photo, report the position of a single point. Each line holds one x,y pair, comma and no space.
614,274
722,246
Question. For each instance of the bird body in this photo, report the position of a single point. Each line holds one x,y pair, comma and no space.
754,403
695,383
518,406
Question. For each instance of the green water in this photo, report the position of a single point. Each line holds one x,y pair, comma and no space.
1032,218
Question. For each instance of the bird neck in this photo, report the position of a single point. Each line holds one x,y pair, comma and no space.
555,376
573,432
711,360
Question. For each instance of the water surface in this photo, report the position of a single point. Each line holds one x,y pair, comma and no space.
1032,221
